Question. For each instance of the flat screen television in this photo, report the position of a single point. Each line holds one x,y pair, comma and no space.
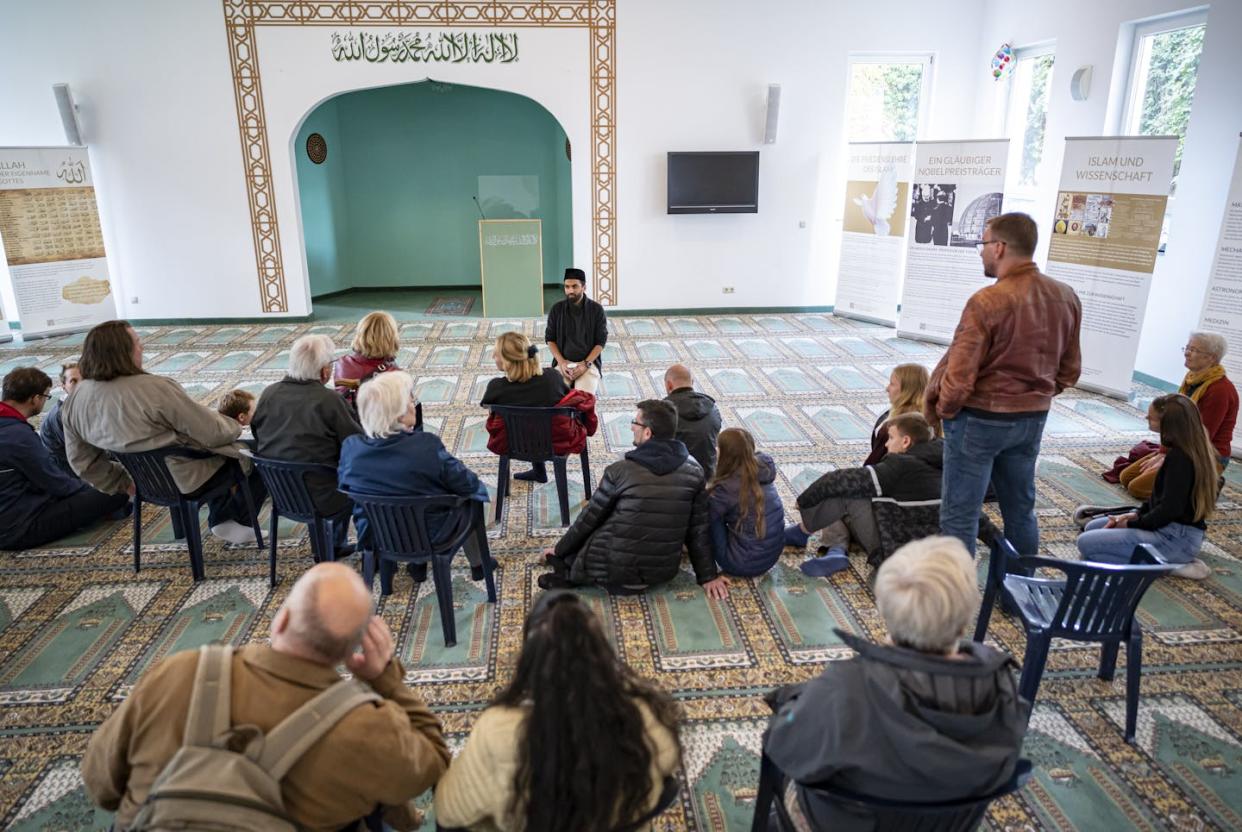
713,183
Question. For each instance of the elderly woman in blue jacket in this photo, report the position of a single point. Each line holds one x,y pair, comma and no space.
746,514
394,459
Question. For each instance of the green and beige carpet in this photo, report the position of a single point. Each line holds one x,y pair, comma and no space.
78,626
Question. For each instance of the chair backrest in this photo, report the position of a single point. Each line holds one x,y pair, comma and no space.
529,429
1099,599
149,471
399,524
286,484
946,816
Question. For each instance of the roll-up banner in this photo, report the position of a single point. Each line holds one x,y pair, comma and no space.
1104,241
957,187
873,244
6,334
53,245
1222,303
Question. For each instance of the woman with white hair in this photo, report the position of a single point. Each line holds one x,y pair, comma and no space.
921,716
393,459
1212,392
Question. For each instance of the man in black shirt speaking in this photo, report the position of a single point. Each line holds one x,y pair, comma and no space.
576,333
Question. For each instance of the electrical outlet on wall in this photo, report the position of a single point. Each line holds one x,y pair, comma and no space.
728,290
134,299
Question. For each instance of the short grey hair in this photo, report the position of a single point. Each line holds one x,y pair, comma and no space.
309,355
1212,342
927,592
381,401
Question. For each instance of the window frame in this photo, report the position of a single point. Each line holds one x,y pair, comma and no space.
928,61
1132,109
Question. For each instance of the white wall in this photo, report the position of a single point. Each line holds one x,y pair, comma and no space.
1088,34
694,75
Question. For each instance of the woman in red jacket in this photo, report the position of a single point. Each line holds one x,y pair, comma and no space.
526,384
374,351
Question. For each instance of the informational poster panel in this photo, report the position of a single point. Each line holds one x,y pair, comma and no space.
1222,303
6,334
957,188
511,260
49,224
1104,241
873,239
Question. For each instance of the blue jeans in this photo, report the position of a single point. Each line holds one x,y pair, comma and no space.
1176,543
979,450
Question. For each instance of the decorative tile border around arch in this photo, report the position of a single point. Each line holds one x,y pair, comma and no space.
243,17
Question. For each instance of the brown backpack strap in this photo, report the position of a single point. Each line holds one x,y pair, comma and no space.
287,742
209,716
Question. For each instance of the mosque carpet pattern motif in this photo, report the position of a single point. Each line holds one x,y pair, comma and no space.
78,626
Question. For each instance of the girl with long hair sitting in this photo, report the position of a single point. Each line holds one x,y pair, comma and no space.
1183,497
747,516
575,743
906,386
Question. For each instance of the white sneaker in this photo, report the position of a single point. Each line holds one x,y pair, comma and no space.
231,531
1196,570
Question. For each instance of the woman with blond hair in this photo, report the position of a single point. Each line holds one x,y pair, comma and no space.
919,716
746,514
526,384
373,351
906,386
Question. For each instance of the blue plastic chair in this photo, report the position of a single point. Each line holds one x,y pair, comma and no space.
399,533
889,815
286,485
529,433
1096,602
153,483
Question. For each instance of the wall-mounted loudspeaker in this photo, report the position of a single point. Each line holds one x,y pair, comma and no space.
774,113
1080,83
68,113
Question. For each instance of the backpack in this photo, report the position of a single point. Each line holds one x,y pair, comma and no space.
208,786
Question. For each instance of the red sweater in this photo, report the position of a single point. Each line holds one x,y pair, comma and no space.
1218,408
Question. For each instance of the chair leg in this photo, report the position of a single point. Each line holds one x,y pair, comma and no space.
271,553
368,569
1108,660
985,610
314,531
386,570
559,469
193,539
485,552
1134,673
251,507
442,575
763,800
585,459
502,486
137,533
1037,644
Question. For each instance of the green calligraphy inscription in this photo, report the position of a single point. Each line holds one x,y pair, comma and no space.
426,47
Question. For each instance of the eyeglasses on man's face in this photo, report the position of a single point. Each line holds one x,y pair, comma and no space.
638,423
979,247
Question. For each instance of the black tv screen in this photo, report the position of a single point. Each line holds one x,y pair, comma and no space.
713,183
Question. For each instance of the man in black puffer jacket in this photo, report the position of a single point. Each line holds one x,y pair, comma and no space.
630,536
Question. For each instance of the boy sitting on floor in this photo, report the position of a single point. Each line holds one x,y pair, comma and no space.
842,503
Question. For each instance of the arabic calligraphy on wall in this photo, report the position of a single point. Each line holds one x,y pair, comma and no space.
426,47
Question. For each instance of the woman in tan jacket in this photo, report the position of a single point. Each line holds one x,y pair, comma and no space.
120,407
576,743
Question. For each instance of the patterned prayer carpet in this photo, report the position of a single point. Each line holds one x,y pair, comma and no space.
78,626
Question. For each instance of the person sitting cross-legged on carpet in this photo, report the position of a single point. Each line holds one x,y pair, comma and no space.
39,502
384,752
920,716
840,502
393,459
51,431
526,384
576,742
906,386
647,506
746,514
698,418
1183,497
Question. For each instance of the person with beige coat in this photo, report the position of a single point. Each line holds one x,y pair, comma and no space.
119,407
382,753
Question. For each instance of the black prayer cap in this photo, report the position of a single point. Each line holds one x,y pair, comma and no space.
575,274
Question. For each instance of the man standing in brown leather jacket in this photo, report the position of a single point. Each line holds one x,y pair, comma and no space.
1016,346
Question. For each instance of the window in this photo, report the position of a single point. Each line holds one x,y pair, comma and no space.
1026,117
1164,65
886,97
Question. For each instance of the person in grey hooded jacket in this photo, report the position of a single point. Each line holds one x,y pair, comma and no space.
922,717
698,418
